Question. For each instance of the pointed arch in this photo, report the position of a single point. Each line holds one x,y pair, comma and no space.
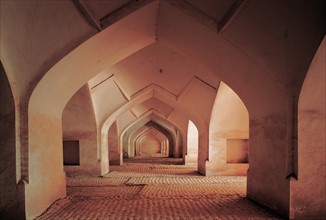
46,177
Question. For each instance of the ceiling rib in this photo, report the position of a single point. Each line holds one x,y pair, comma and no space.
231,14
88,14
102,81
151,88
196,77
169,115
123,11
122,89
152,111
188,86
134,114
195,13
111,18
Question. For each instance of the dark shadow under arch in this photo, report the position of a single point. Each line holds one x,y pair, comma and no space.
12,190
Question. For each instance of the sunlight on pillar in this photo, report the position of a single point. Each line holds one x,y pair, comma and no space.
229,134
192,144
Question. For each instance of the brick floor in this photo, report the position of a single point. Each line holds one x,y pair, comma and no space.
143,190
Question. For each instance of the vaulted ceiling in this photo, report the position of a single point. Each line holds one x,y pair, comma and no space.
164,56
174,41
162,59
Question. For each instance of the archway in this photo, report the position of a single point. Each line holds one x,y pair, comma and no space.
170,99
270,98
149,142
46,176
134,135
172,143
279,55
268,109
171,130
192,144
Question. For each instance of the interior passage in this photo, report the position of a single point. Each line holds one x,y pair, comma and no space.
156,188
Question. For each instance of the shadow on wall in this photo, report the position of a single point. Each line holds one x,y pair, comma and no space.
12,188
306,200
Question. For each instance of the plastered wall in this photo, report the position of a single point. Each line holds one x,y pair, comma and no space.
308,188
11,187
45,163
78,123
264,66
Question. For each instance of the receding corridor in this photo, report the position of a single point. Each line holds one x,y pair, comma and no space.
156,191
162,109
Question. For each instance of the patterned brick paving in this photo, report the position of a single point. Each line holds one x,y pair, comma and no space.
143,190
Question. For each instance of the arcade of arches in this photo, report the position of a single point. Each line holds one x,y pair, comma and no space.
236,87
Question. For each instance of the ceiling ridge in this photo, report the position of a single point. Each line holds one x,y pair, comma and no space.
149,130
231,14
156,19
121,88
195,13
88,14
123,11
203,81
152,86
109,77
188,86
133,113
150,112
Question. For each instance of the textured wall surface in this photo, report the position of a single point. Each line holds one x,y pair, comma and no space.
47,179
176,52
11,192
306,200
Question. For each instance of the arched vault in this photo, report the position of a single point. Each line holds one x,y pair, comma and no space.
264,58
166,127
180,103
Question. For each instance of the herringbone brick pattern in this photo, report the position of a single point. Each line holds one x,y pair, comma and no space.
155,191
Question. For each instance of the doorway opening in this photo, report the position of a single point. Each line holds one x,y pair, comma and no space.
192,144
